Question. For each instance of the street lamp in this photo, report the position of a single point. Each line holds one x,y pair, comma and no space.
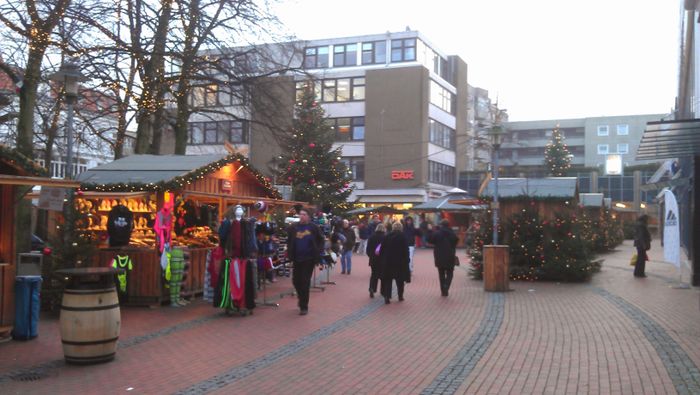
69,75
496,132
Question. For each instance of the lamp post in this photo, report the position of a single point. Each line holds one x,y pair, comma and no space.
69,75
496,257
496,132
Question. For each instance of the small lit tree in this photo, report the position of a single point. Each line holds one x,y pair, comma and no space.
557,157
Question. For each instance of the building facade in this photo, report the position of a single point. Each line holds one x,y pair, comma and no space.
399,107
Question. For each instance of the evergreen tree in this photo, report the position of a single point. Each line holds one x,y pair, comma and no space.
556,155
310,164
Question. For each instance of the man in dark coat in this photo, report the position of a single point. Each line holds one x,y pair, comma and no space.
374,259
304,245
642,240
394,258
444,241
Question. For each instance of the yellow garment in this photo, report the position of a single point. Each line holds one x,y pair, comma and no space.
122,262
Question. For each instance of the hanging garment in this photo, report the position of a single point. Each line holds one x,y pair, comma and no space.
237,282
122,262
163,227
120,223
177,267
251,281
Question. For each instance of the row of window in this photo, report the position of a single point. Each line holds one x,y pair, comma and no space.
373,52
441,174
334,89
442,98
442,135
622,130
214,96
217,132
348,129
622,148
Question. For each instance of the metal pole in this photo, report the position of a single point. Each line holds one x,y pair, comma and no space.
495,195
69,137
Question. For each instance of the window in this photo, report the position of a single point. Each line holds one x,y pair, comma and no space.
214,95
441,97
217,132
335,90
623,148
374,52
356,165
603,130
440,173
316,57
442,135
602,149
623,130
344,55
348,129
403,50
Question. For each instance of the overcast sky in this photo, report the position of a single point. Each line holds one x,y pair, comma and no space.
543,59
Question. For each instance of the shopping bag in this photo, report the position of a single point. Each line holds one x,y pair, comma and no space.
633,261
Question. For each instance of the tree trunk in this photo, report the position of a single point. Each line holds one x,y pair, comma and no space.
27,99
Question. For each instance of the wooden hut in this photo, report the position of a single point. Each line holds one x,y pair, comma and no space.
548,196
17,174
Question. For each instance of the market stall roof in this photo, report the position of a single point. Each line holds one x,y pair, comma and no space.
162,172
18,169
670,139
444,203
378,209
551,187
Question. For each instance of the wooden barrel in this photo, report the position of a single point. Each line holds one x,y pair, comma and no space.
90,323
496,268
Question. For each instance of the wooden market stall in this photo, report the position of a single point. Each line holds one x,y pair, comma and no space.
17,175
548,196
457,208
202,183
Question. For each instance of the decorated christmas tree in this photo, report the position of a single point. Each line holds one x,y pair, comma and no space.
557,157
309,163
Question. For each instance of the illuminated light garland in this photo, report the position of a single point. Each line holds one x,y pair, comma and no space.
187,179
21,161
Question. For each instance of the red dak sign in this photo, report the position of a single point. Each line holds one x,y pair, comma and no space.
402,174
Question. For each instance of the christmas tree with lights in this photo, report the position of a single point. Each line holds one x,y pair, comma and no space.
309,163
557,157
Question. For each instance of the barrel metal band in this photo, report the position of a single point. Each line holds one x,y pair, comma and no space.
93,308
89,343
89,291
88,359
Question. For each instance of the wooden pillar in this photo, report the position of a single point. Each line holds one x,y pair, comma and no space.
496,268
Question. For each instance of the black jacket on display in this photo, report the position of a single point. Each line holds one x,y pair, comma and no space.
120,223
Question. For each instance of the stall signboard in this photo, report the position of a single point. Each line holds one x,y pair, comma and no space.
226,186
51,198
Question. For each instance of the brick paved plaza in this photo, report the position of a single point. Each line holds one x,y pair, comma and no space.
615,335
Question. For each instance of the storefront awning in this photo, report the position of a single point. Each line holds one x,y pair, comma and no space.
670,139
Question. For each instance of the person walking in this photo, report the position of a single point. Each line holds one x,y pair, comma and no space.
348,245
642,240
410,231
374,259
394,261
305,242
423,230
444,243
364,236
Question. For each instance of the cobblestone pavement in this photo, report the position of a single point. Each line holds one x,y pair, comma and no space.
615,335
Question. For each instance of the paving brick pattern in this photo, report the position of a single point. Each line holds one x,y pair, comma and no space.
239,372
616,335
450,379
682,370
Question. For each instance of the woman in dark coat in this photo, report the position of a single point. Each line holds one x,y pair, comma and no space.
445,243
642,240
374,259
394,258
